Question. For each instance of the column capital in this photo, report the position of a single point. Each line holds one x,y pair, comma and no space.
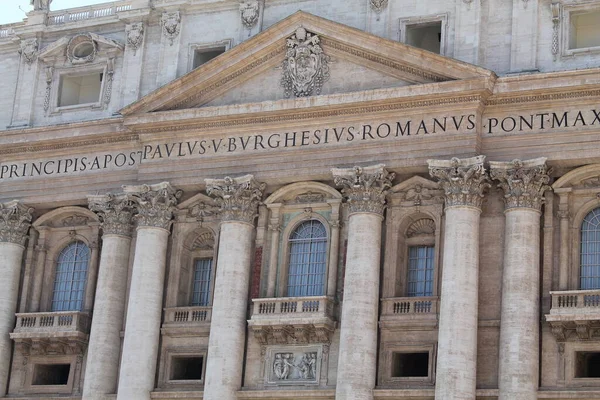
15,220
115,212
523,182
365,187
238,197
464,180
155,204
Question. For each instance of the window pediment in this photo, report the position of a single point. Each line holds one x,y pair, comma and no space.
80,48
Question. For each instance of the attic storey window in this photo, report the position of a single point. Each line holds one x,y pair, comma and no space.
80,89
426,36
584,29
202,56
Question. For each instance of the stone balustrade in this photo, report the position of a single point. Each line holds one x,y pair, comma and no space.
187,321
575,302
52,322
408,311
292,307
84,13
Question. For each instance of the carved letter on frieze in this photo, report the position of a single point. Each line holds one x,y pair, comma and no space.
29,50
249,11
464,181
15,219
115,212
135,36
523,182
155,204
171,25
306,67
237,197
365,188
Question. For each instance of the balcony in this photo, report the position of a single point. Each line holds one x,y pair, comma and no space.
406,312
65,332
292,320
575,314
187,321
84,13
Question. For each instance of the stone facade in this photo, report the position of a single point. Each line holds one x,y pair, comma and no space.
256,199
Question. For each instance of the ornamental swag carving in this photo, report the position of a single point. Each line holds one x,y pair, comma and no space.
366,188
171,25
237,197
29,50
523,182
464,180
15,220
249,11
306,67
115,212
155,204
135,36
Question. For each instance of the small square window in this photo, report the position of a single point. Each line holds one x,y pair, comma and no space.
426,36
587,364
410,365
202,56
51,374
584,30
82,89
186,368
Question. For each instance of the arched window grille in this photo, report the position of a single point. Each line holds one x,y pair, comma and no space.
589,272
308,260
71,277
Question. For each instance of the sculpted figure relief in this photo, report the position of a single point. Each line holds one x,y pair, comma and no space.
282,365
305,68
249,10
40,5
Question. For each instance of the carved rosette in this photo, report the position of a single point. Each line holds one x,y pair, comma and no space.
171,25
249,11
523,182
29,50
15,220
155,204
365,188
464,181
237,197
135,35
306,66
115,212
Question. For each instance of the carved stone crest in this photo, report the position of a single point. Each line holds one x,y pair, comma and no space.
366,188
15,219
306,67
523,182
135,36
82,49
171,25
378,5
29,50
238,197
249,11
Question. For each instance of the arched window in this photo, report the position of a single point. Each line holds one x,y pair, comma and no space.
589,273
308,260
71,276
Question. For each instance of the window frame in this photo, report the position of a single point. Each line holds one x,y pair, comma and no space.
86,281
194,47
567,11
387,353
172,352
74,374
82,70
404,23
202,255
428,241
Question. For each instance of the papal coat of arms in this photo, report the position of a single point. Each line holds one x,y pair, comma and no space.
171,25
29,50
378,5
306,67
249,10
135,35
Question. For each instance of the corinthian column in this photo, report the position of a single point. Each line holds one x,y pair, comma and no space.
524,184
155,205
15,220
104,347
464,182
238,198
365,190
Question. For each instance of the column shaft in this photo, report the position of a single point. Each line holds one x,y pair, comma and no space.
105,337
357,362
11,256
142,329
519,335
228,325
457,343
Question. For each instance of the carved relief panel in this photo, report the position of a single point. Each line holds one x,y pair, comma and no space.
286,366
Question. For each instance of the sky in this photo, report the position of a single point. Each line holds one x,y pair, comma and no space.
10,12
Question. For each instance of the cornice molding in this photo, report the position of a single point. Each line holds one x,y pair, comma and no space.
533,98
68,143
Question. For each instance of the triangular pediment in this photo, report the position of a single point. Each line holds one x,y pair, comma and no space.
254,71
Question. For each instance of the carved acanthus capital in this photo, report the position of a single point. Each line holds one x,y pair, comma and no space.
523,182
237,197
155,204
115,212
464,180
365,188
15,220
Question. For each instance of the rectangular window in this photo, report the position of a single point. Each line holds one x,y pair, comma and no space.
82,89
410,365
51,374
202,56
584,31
426,36
587,364
201,284
186,368
420,271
